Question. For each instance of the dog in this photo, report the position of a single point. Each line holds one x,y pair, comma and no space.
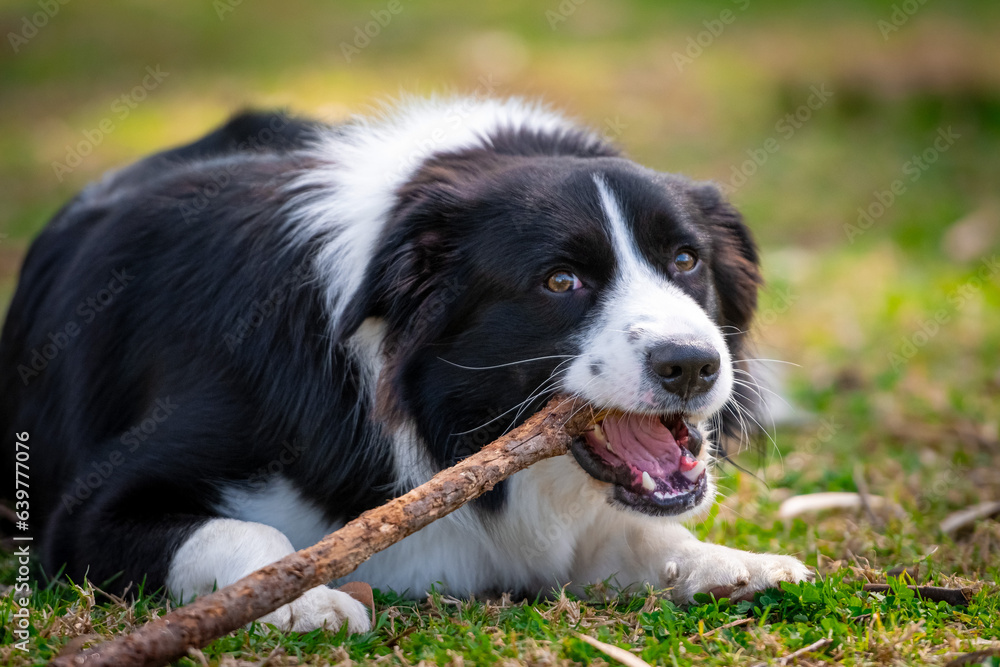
227,350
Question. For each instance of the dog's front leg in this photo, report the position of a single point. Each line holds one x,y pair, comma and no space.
666,555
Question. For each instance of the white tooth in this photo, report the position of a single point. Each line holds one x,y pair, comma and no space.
647,481
601,437
694,473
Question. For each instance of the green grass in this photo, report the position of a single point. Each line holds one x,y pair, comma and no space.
879,397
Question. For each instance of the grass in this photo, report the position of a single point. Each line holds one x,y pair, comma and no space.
851,626
894,331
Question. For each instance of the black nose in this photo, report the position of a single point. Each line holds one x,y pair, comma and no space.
686,368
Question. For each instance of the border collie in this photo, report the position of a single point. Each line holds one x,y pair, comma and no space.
224,352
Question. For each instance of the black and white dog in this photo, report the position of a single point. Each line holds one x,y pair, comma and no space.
227,350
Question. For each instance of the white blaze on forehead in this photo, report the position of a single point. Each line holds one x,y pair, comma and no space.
626,253
640,309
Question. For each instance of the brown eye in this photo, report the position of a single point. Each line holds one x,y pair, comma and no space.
562,281
685,260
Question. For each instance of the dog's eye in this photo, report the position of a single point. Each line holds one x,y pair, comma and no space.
685,260
562,281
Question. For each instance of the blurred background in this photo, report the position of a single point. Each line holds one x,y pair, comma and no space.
860,139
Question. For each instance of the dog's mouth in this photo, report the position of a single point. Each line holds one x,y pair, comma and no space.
652,460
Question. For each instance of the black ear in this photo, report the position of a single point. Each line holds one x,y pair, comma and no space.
735,261
736,273
412,248
413,280
398,279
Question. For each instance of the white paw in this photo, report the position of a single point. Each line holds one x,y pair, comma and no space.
729,573
321,607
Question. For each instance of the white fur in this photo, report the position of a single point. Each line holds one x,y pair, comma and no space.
642,303
411,461
224,551
278,503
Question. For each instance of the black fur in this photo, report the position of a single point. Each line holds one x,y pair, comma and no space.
206,310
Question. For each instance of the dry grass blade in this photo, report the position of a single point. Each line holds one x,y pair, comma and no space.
615,653
792,657
833,500
732,624
964,518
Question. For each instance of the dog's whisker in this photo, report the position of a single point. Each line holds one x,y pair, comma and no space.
760,398
749,415
511,363
762,387
538,391
744,429
772,361
516,417
548,384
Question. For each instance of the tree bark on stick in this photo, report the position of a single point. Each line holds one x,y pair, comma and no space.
168,638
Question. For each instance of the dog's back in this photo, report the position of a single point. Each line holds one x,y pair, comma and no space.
82,356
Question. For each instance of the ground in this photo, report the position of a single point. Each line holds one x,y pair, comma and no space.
860,140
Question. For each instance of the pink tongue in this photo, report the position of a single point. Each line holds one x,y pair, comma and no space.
643,442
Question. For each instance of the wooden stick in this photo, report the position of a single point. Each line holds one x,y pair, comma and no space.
169,637
956,597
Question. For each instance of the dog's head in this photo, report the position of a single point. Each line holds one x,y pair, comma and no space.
505,278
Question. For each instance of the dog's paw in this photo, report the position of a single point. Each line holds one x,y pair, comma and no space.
321,607
729,573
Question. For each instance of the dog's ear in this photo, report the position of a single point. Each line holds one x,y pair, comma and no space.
413,250
735,261
398,279
413,282
736,273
